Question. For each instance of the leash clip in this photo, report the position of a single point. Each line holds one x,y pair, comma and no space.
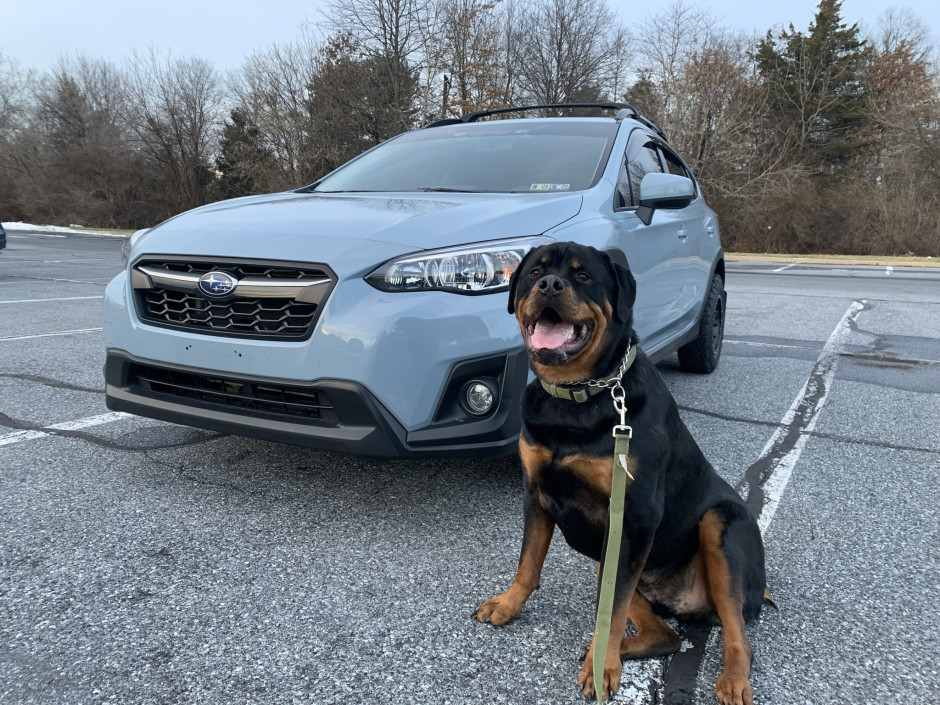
623,430
620,403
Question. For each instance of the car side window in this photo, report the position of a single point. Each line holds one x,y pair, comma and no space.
622,197
637,163
675,166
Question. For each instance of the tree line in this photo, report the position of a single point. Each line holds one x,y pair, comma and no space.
824,139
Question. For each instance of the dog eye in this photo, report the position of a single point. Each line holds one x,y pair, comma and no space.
584,276
535,272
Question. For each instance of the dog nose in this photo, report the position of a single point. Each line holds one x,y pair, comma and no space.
551,285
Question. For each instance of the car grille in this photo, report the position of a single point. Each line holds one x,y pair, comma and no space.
255,317
271,301
233,394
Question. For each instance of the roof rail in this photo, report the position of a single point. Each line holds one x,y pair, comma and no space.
624,110
474,116
650,124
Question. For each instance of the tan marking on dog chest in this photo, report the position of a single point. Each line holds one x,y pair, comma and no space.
534,459
597,472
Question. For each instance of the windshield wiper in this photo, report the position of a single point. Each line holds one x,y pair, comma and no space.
423,189
444,189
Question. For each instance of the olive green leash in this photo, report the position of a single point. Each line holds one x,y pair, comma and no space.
618,491
611,558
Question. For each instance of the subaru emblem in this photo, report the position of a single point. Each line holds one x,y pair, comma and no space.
217,283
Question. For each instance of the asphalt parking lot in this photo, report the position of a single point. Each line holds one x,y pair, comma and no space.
142,562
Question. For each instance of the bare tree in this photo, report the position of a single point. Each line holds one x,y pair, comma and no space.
569,51
698,81
273,92
904,83
672,39
67,158
15,86
388,32
899,191
431,39
18,144
174,108
91,172
474,65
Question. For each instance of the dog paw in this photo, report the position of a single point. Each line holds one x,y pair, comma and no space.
613,670
734,690
499,610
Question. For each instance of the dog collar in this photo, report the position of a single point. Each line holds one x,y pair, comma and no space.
580,393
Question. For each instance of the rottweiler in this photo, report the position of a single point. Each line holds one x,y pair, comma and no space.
691,547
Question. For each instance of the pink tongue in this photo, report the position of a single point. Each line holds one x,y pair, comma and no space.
547,335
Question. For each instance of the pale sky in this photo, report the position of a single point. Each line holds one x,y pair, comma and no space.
37,33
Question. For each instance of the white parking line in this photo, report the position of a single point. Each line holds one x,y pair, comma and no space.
36,301
889,271
781,269
50,335
20,436
779,346
823,373
815,391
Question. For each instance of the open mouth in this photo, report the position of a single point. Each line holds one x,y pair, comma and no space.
549,335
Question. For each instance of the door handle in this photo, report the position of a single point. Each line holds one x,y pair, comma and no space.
710,230
682,234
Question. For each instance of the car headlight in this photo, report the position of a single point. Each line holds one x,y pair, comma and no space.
469,269
128,244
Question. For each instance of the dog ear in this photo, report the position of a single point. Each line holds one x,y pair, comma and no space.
624,285
514,279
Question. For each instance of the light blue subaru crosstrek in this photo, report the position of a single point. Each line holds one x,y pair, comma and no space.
366,313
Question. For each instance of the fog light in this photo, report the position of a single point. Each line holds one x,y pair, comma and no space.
477,397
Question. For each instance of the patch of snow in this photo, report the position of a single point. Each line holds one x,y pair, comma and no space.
13,227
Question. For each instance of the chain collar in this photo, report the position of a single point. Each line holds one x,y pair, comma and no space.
580,393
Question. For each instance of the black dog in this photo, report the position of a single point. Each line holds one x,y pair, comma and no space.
691,547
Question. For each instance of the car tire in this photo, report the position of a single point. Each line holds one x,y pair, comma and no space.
702,354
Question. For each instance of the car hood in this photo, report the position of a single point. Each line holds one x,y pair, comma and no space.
349,231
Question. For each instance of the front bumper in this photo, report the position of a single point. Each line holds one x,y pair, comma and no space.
326,414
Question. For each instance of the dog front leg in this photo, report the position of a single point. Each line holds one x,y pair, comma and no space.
536,537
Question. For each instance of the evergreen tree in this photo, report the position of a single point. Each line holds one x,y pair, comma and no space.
817,87
242,159
353,103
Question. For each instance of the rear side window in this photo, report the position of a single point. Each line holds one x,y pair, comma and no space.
675,165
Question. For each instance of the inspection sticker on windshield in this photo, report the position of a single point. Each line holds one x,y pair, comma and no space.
549,187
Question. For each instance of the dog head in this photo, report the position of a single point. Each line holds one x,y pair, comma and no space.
574,305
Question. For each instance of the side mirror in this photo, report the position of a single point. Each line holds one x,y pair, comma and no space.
663,191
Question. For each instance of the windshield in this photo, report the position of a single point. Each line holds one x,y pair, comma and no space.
508,156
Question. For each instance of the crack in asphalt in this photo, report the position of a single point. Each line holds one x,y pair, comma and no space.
9,422
181,473
812,434
889,361
50,382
